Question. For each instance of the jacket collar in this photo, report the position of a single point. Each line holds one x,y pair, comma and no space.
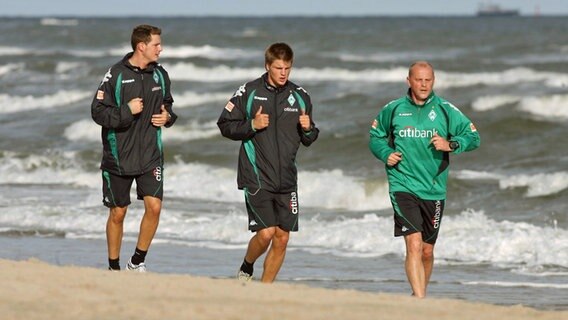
126,62
270,87
431,98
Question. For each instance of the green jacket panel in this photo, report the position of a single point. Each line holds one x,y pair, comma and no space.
408,128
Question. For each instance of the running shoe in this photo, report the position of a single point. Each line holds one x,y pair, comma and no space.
243,276
135,267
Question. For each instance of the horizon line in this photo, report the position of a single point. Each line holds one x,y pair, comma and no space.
392,15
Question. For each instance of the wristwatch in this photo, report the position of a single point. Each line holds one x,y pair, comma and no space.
454,145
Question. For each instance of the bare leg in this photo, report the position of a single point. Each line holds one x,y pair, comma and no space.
414,265
114,230
149,223
276,255
428,261
259,243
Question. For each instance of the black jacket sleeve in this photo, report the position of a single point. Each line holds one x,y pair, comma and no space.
168,99
105,110
233,121
307,138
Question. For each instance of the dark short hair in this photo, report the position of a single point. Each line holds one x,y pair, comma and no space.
278,51
143,33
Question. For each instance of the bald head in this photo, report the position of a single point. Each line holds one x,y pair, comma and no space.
420,81
420,65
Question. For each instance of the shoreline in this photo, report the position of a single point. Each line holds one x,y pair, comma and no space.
33,289
375,275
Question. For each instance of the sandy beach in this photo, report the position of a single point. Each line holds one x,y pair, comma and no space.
33,289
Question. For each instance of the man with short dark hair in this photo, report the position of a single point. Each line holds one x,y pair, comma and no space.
131,105
272,116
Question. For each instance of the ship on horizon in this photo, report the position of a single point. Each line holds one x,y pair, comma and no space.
494,10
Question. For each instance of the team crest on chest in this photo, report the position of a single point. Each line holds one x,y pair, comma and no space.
432,115
156,78
291,100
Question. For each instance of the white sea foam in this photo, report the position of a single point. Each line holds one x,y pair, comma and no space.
209,52
50,168
223,73
178,52
330,189
220,73
11,104
503,78
13,51
533,58
493,102
88,130
194,130
59,22
9,68
517,284
191,98
538,185
83,130
324,189
476,175
250,33
399,56
470,237
554,107
63,67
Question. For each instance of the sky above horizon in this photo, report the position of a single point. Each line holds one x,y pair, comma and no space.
272,8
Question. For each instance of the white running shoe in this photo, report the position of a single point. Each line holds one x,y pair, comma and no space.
243,276
135,267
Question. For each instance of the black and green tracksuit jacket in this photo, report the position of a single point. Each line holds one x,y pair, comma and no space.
267,157
408,128
131,144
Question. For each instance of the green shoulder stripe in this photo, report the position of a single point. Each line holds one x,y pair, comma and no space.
300,101
111,135
117,90
248,145
249,104
162,81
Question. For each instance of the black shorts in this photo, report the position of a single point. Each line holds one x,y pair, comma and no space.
412,214
116,189
267,209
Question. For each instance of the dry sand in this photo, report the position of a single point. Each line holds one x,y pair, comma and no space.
35,290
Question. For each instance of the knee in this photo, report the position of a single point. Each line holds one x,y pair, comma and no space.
414,247
427,253
153,208
281,239
265,235
117,215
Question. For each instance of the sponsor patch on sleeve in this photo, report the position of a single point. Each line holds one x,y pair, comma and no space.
100,94
472,127
229,107
375,124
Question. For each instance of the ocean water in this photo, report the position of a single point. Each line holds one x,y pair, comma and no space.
504,237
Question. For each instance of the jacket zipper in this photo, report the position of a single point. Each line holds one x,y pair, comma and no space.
140,127
276,138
